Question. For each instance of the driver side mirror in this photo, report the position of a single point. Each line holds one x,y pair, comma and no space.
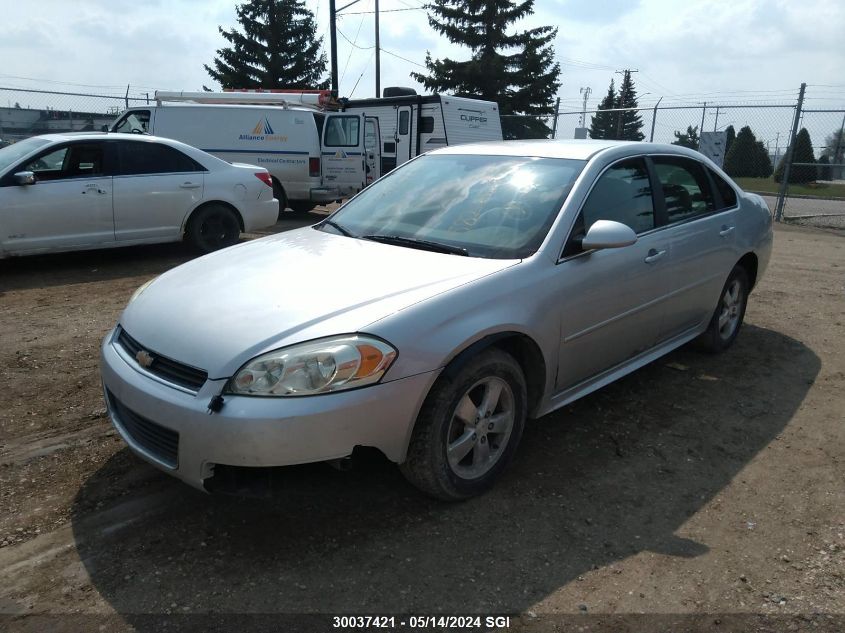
608,234
25,178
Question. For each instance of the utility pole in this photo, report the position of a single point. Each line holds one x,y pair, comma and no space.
586,92
378,58
790,150
333,43
626,74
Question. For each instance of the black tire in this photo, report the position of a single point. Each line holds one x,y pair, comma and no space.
213,227
727,318
428,467
279,194
301,207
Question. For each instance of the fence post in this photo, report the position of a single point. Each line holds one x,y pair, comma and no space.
554,123
787,159
654,120
701,128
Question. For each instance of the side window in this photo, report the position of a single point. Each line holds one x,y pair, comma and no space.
134,122
725,190
73,161
685,188
140,157
622,194
404,120
342,131
427,124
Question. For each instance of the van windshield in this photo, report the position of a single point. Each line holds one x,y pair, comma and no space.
499,207
134,122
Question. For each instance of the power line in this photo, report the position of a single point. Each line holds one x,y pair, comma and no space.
410,61
345,13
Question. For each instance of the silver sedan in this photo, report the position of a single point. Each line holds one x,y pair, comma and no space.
468,291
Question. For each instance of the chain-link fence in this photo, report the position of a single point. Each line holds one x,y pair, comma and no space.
27,112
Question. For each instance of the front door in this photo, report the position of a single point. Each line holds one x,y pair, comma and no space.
70,205
614,303
343,153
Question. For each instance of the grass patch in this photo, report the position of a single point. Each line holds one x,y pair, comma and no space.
814,189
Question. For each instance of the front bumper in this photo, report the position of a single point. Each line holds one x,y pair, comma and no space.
252,431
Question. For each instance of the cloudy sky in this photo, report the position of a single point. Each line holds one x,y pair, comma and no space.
688,51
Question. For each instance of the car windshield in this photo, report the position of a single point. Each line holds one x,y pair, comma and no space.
497,207
11,154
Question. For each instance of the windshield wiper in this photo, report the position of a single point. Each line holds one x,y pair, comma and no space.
424,245
337,226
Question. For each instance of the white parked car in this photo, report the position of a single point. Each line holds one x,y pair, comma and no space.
63,192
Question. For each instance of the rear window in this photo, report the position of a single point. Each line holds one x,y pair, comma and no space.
725,191
152,158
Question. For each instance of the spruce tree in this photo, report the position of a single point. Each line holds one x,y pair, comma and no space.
803,153
761,161
743,157
824,168
731,137
277,48
688,139
603,123
514,68
628,124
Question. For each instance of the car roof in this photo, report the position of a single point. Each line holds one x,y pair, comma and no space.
560,148
100,136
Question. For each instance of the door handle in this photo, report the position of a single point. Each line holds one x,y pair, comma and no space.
654,255
93,189
190,185
726,230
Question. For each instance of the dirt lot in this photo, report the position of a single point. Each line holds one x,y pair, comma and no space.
700,493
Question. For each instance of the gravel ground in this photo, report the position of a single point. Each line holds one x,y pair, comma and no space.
699,493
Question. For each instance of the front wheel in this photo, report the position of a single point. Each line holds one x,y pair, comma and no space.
468,428
213,227
729,313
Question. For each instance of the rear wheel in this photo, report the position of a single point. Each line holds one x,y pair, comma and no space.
468,428
727,317
213,227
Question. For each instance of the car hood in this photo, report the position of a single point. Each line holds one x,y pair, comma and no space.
218,311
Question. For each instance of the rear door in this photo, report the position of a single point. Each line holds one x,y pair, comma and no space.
701,228
372,148
343,153
69,206
404,134
154,188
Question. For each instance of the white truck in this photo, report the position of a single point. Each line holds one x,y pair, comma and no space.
314,155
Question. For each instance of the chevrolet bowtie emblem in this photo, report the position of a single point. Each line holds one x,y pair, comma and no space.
144,358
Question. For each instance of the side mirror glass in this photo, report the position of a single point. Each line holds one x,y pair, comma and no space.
608,234
25,178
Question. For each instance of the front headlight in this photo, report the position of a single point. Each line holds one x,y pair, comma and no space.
331,364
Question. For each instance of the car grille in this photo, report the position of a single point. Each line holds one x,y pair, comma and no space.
160,442
163,367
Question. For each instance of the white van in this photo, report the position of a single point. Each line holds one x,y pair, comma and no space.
403,124
313,157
